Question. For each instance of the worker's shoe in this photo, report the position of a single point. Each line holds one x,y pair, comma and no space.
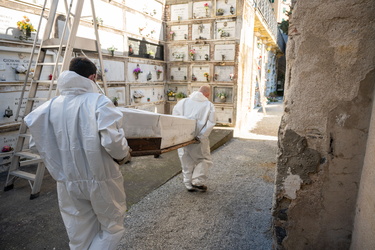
191,189
202,188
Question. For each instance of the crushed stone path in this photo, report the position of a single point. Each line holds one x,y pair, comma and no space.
235,212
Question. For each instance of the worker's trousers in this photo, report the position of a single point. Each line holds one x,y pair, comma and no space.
195,162
93,213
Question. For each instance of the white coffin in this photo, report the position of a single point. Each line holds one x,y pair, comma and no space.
172,130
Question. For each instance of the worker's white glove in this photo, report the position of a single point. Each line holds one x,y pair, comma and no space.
125,160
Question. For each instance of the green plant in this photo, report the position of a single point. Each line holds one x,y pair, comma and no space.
222,95
115,101
112,48
180,95
171,93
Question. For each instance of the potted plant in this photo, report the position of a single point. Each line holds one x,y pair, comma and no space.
158,73
172,34
222,96
99,21
192,53
112,50
206,6
115,101
171,95
26,28
207,76
137,96
180,95
151,54
220,12
136,72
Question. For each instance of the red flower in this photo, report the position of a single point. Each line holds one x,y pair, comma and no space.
7,149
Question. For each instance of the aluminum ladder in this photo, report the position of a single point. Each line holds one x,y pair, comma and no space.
66,49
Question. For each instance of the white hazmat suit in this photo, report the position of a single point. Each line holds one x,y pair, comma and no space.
78,134
196,158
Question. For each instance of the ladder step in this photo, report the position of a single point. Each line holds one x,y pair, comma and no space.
25,135
48,64
46,82
6,154
30,162
27,155
23,174
80,44
37,99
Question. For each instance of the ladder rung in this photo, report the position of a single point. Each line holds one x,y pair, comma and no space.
80,44
27,155
46,82
48,64
30,162
52,46
23,174
37,99
6,154
25,135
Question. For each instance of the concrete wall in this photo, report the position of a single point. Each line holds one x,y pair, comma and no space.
322,139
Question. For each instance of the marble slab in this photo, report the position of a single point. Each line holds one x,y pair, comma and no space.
202,9
178,53
223,73
226,6
224,115
180,32
178,73
224,52
152,93
201,31
225,29
179,12
198,72
202,52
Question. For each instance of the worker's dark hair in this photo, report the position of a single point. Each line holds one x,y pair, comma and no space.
82,66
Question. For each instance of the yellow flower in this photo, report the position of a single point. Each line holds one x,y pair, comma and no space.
25,24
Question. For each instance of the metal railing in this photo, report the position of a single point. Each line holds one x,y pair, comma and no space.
265,9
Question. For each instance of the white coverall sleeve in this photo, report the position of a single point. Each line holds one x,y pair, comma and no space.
178,108
206,130
112,136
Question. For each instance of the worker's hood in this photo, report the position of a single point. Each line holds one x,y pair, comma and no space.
198,96
71,83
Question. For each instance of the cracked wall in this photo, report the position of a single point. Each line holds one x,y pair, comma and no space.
324,129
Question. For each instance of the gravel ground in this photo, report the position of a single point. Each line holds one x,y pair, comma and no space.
235,212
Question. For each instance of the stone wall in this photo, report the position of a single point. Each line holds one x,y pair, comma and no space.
322,139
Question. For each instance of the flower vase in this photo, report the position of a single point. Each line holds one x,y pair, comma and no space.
136,76
222,99
27,34
171,98
207,78
112,52
137,99
192,57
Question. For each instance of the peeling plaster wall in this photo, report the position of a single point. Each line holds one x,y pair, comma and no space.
322,138
364,226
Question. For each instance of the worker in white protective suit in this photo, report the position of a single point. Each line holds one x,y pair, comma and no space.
80,137
196,158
